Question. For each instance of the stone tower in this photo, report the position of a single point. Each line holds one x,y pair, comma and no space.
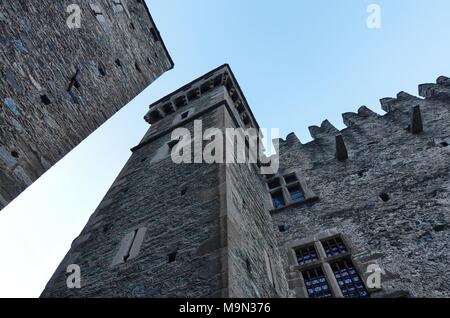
59,83
181,230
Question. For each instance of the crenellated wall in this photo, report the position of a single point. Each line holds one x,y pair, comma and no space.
384,184
58,84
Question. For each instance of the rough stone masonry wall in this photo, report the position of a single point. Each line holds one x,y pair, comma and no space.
179,205
57,85
213,216
255,265
408,236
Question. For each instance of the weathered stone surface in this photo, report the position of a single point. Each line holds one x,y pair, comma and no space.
391,198
209,229
57,84
208,225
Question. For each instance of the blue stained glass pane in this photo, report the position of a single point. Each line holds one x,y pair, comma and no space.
351,286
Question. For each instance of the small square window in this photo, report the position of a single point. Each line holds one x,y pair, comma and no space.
273,184
297,194
290,178
184,115
278,200
306,255
334,247
316,283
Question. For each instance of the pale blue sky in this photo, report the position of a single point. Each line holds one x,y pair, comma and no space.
298,62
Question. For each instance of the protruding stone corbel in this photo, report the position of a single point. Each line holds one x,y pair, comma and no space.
154,115
341,149
416,121
225,79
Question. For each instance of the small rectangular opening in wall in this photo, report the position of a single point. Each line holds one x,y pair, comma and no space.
278,200
184,115
316,284
154,34
172,257
297,194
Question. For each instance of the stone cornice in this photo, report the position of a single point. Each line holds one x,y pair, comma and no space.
221,76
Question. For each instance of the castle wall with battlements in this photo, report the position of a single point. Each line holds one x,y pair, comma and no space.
383,184
374,193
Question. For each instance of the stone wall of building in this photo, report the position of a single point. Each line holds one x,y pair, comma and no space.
57,84
203,230
390,199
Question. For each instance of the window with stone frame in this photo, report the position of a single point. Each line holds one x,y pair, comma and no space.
288,189
327,270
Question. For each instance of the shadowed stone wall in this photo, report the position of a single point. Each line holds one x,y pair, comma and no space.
58,85
207,233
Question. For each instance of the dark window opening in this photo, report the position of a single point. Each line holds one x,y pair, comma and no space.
102,71
444,144
278,200
172,257
118,63
290,178
15,154
385,197
306,255
45,100
185,115
348,279
154,34
132,26
248,265
273,184
297,194
334,247
316,284
283,228
184,191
